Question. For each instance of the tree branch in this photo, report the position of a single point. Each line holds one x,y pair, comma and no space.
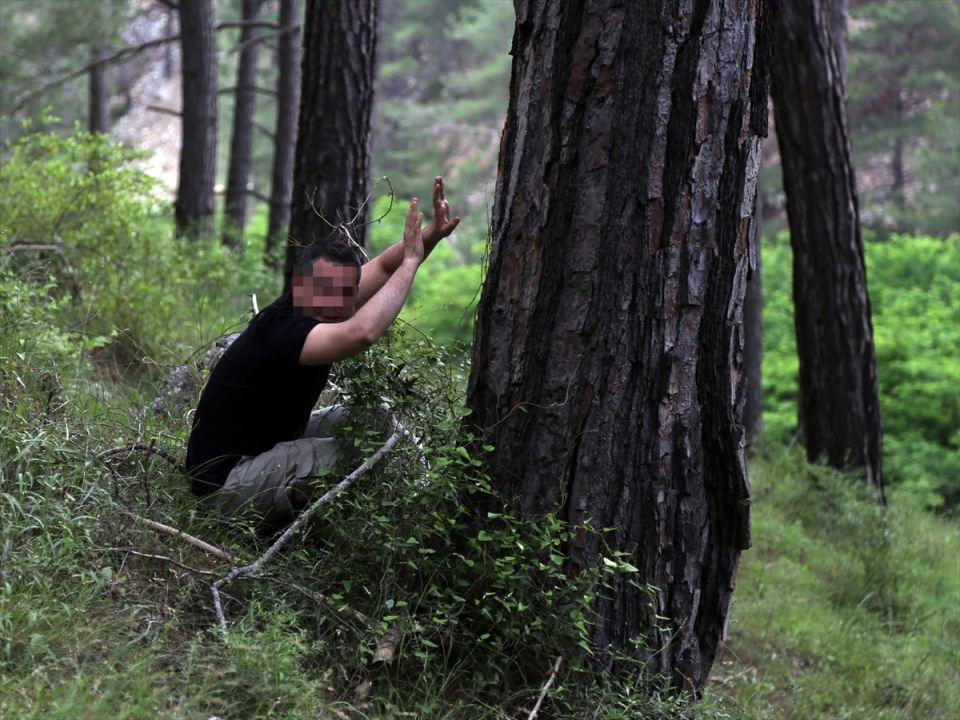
131,50
543,692
172,531
252,88
164,111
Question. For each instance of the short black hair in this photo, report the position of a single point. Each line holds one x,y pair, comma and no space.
333,249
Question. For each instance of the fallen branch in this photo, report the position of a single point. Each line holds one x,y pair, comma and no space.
247,88
173,532
303,519
142,447
164,558
546,687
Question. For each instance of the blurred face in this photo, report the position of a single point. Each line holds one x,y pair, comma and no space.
328,292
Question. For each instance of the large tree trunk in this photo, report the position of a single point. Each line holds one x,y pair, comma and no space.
609,339
198,151
332,157
98,120
285,134
235,203
839,412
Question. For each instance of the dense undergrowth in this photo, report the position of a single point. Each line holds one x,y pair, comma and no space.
842,609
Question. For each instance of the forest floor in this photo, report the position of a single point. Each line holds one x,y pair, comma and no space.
842,609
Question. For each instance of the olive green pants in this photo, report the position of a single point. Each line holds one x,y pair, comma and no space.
273,487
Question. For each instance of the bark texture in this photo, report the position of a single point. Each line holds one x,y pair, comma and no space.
98,120
198,152
839,411
607,365
238,173
332,156
285,133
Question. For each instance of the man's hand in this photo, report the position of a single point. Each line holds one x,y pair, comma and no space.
412,234
442,225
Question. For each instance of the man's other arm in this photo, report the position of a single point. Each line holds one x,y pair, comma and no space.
376,272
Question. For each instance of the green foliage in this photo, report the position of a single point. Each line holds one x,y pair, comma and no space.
915,303
75,209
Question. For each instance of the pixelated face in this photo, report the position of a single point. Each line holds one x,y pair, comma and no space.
328,293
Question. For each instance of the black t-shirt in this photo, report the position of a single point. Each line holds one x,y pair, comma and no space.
257,396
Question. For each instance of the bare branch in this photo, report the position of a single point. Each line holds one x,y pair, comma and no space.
226,24
248,88
131,50
543,692
258,195
141,447
240,47
265,130
173,532
305,517
164,558
164,111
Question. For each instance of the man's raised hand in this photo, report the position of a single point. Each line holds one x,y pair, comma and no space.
442,225
412,235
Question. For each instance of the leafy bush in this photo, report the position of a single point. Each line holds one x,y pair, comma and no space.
76,209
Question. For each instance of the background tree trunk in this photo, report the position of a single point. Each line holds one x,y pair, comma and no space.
235,203
198,151
98,121
753,334
607,366
839,412
285,134
332,156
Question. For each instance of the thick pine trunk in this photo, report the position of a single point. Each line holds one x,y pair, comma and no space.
839,412
285,133
235,203
332,156
98,120
198,151
607,367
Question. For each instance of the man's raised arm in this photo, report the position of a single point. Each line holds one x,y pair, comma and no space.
378,271
329,342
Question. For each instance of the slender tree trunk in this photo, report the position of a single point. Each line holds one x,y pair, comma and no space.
839,412
198,151
607,366
285,134
168,47
235,203
753,335
98,122
332,157
899,177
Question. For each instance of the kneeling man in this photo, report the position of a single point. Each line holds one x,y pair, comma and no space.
254,439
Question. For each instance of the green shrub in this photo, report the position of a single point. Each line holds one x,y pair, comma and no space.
75,208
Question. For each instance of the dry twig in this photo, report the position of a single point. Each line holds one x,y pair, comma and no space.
546,687
173,532
141,447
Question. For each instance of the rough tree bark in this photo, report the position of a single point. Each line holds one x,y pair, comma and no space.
238,173
332,156
839,411
285,133
98,121
198,151
607,366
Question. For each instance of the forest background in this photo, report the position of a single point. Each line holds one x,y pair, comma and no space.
839,612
